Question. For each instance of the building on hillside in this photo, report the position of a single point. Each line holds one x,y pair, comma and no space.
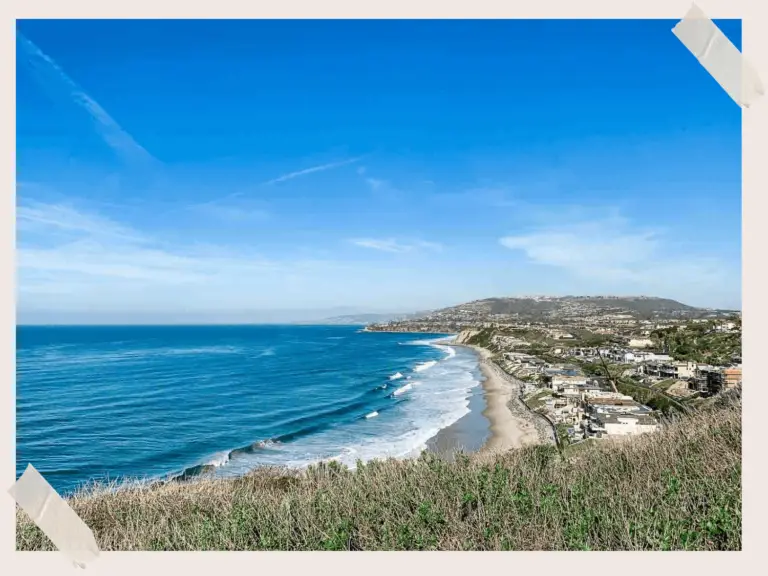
583,352
653,357
561,381
605,394
732,377
607,424
640,343
669,370
709,380
560,335
684,370
596,405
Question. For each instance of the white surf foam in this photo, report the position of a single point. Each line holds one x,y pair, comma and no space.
425,366
402,390
396,376
218,459
437,398
451,352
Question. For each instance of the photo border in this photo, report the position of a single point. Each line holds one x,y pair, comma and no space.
754,186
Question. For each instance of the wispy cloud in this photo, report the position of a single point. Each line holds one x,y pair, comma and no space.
232,208
383,245
320,168
613,252
493,197
234,213
393,245
375,183
52,77
57,221
67,257
102,269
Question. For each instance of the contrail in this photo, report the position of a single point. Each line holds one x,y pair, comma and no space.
50,75
293,175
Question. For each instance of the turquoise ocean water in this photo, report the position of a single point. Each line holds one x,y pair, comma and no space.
113,402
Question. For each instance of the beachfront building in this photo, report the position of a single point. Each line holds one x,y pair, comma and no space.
614,405
561,382
608,424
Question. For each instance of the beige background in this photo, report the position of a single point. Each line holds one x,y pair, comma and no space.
755,297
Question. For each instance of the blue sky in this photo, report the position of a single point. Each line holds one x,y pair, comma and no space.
224,170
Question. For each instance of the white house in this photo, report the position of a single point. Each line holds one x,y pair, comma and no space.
560,381
623,424
685,370
650,357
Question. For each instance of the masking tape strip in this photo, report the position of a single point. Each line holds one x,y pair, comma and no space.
719,57
54,517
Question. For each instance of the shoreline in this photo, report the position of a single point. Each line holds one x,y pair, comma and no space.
493,424
511,424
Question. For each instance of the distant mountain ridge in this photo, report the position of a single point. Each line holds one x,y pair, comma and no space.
365,319
536,308
558,307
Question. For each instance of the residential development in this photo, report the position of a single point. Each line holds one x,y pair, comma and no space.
599,367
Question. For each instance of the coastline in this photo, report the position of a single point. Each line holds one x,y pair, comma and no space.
511,424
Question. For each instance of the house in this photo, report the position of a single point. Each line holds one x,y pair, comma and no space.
591,387
614,405
732,377
568,414
582,352
640,343
684,370
560,335
725,327
606,424
640,357
605,394
710,380
670,370
562,381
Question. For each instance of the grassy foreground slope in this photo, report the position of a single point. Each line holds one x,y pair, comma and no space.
678,489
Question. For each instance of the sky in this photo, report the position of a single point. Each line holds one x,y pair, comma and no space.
223,171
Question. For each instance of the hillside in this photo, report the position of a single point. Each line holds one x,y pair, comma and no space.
608,314
678,489
700,342
536,308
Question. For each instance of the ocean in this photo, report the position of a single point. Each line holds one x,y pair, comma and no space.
148,402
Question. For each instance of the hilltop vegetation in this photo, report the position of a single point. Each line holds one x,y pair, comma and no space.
679,489
700,342
593,315
551,307
640,306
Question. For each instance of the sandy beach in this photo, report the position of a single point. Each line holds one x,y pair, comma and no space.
510,428
512,425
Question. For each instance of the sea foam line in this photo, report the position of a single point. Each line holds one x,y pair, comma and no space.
425,366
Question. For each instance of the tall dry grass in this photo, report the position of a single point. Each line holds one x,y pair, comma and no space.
676,489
